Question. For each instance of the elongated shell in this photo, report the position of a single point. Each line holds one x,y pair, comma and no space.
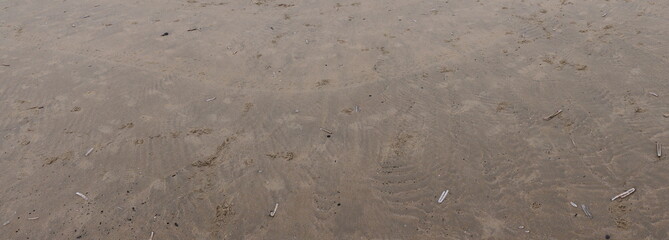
443,196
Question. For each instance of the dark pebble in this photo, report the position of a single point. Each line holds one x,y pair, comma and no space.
165,34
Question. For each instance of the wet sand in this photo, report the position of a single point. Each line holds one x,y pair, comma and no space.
419,97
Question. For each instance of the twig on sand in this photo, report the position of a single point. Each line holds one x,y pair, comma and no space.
443,196
653,94
553,115
5,65
658,147
624,194
82,196
210,99
326,131
586,210
88,152
357,109
573,204
33,218
151,238
273,212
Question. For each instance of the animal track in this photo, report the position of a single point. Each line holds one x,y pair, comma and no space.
198,131
285,155
209,161
63,157
127,125
323,83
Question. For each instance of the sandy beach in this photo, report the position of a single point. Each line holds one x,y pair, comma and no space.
192,119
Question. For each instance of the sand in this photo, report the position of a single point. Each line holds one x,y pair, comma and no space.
419,96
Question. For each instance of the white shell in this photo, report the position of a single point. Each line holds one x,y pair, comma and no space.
82,196
443,196
88,152
624,194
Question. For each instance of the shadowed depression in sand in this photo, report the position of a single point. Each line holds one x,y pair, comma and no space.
192,119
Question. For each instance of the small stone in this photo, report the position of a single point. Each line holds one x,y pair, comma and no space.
666,115
521,227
